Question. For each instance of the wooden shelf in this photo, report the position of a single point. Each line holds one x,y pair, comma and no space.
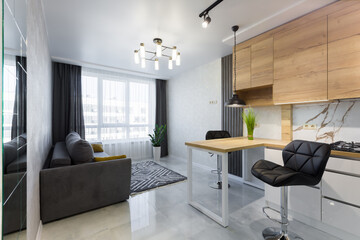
257,97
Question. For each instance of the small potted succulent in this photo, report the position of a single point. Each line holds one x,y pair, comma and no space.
156,139
249,119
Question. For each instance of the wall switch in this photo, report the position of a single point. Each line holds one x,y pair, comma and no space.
309,126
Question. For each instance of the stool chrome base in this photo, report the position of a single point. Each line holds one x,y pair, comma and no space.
217,185
276,234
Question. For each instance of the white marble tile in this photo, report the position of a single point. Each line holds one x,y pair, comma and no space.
163,214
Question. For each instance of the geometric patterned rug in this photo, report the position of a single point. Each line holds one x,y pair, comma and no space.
148,175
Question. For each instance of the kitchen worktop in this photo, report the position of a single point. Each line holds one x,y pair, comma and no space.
240,143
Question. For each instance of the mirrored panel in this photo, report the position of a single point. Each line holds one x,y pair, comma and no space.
14,120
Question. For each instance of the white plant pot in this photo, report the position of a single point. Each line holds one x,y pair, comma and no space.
156,152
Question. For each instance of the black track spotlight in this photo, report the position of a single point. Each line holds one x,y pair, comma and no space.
205,13
206,21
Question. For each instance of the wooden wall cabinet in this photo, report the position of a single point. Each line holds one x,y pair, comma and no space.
262,63
243,71
344,54
300,63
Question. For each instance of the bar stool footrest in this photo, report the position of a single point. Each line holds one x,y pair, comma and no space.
273,219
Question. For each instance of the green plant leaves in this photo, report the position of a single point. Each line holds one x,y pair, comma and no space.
158,136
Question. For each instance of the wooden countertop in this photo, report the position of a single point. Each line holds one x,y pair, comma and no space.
239,143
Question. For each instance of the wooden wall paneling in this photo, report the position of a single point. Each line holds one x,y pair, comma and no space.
286,123
344,54
262,63
243,70
300,63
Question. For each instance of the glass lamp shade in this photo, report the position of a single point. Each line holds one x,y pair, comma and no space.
170,63
156,64
174,53
142,50
136,56
143,63
158,50
178,59
235,101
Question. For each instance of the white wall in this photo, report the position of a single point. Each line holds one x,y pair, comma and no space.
190,115
39,105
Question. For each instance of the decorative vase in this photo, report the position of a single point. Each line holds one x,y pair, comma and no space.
156,152
250,134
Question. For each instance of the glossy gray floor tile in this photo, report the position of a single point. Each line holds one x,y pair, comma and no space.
163,214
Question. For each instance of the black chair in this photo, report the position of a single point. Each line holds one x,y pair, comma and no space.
216,135
304,164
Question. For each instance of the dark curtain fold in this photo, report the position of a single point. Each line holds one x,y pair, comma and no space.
67,101
231,117
161,114
18,125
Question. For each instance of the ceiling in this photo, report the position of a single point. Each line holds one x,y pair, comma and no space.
107,32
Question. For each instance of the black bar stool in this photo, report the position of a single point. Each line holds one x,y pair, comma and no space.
216,135
304,164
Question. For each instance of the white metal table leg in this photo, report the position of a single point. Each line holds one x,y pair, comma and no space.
189,174
225,190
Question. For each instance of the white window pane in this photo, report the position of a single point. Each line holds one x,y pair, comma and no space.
138,103
90,99
113,102
113,133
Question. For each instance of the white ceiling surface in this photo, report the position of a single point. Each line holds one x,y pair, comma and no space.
107,32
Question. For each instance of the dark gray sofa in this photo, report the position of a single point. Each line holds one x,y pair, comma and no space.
67,189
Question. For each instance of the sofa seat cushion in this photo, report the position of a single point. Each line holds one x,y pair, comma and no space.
79,149
60,157
100,155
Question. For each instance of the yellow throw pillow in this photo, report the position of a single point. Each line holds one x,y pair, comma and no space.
97,147
101,159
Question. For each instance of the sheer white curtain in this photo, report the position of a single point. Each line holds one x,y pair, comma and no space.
9,86
119,111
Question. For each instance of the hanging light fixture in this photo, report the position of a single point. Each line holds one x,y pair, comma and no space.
140,54
206,21
178,60
235,101
156,64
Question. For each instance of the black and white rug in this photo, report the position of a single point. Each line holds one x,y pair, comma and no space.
148,175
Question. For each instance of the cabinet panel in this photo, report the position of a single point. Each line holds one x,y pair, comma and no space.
300,63
341,187
262,63
344,165
341,216
243,71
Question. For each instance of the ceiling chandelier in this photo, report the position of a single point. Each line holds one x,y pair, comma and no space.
141,55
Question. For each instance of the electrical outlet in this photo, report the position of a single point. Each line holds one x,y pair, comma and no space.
257,125
309,126
213,102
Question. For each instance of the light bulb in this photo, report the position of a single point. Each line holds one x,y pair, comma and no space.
142,50
136,55
206,21
174,53
204,24
156,64
178,60
143,63
158,49
170,63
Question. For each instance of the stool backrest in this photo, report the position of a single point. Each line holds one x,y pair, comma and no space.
217,134
307,157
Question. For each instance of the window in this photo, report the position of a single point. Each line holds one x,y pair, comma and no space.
117,107
9,86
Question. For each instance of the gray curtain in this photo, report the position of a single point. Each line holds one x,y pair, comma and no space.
67,110
160,118
18,125
231,117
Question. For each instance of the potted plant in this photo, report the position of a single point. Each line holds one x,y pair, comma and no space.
249,119
156,139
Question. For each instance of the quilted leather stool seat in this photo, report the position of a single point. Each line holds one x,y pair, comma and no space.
304,164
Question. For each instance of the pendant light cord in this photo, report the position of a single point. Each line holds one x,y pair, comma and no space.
234,65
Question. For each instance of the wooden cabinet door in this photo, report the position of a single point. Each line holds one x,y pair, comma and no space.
300,63
243,74
344,54
262,62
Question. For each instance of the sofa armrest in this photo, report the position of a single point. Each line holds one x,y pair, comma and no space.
79,188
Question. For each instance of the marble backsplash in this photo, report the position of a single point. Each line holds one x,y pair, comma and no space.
335,121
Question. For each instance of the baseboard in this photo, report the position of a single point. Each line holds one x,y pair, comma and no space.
38,235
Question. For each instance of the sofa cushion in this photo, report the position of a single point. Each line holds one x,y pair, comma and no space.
14,149
97,147
100,154
18,165
60,156
79,149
